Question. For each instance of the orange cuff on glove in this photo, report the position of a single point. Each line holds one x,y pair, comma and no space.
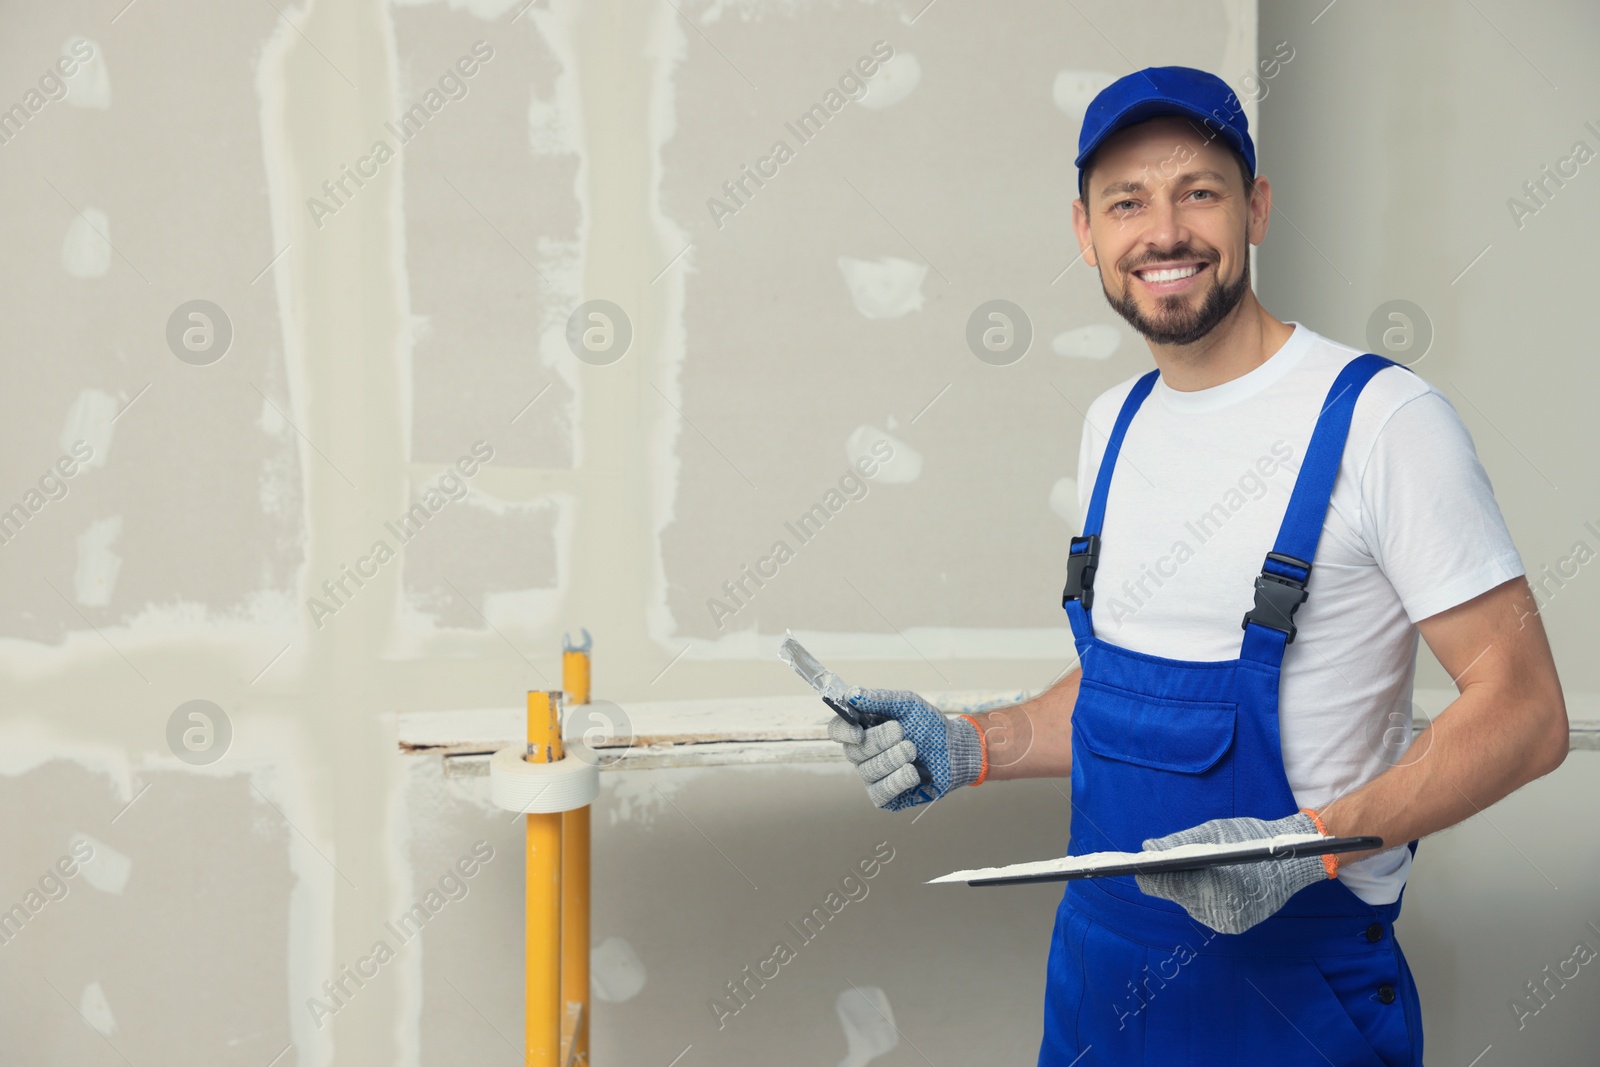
1330,860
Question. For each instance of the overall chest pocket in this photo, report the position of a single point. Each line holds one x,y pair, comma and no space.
1185,736
1145,766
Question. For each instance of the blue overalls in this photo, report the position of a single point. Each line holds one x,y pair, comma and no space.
1160,745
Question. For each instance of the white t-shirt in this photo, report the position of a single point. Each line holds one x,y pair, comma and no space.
1194,506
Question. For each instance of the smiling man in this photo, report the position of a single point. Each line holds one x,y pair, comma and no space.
1246,659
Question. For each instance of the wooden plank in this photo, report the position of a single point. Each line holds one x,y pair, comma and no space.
698,733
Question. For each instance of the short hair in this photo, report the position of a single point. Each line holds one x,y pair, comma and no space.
1244,172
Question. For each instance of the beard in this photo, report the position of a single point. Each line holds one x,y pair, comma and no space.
1174,322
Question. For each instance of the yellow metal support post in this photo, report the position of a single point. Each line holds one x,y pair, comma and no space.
575,891
543,923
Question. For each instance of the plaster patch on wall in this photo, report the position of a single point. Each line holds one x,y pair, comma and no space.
27,743
94,1007
894,81
868,1023
252,633
1074,89
1098,341
886,288
642,796
89,420
90,84
86,251
615,971
667,47
96,577
902,468
280,476
107,870
279,766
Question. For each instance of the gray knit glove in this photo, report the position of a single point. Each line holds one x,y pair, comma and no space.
949,747
1234,898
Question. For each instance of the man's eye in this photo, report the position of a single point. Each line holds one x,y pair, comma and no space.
1121,205
1205,192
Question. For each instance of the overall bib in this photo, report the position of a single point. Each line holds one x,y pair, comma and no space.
1160,745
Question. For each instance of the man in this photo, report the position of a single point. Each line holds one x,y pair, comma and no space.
1271,518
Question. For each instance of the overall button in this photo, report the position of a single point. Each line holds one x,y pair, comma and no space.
1375,932
1386,993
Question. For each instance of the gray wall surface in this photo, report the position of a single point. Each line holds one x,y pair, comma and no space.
385,381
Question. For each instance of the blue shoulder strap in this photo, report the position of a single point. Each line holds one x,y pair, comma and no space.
1102,481
1281,587
1084,553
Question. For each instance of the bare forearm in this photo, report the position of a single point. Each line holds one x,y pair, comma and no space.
1033,739
1452,772
1508,727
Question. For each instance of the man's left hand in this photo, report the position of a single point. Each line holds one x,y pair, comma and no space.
1233,898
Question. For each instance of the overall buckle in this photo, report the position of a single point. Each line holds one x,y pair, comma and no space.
1277,597
1080,571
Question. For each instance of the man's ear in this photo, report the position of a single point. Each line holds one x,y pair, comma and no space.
1080,226
1260,211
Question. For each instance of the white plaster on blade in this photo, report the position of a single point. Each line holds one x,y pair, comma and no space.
1098,341
615,972
86,249
902,468
98,566
895,80
1074,89
868,1023
1098,860
90,84
89,420
884,288
1064,500
95,1008
108,869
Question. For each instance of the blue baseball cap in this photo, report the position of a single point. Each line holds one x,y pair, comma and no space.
1154,91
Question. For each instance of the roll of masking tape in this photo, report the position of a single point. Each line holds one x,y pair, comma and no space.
543,788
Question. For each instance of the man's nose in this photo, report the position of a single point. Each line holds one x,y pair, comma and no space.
1165,228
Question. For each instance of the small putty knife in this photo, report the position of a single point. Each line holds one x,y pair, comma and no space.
833,690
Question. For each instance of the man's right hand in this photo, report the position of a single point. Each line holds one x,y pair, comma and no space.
916,732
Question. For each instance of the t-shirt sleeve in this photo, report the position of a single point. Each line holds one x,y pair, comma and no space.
1429,513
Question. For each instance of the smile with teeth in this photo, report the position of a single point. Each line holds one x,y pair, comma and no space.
1169,274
